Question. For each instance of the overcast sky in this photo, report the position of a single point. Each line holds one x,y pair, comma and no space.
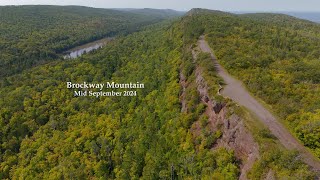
226,5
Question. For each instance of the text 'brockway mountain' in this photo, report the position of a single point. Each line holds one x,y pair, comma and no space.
108,85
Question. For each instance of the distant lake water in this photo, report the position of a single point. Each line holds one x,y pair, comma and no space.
311,16
80,50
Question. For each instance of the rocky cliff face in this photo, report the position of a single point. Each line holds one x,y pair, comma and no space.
238,138
234,135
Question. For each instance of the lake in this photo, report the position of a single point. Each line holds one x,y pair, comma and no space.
80,50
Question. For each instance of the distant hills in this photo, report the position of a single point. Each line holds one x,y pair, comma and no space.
159,12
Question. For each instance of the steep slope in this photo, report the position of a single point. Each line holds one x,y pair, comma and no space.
235,90
228,128
32,35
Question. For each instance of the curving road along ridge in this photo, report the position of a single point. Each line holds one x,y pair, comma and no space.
238,93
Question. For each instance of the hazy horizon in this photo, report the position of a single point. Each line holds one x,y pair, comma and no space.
222,5
233,11
299,13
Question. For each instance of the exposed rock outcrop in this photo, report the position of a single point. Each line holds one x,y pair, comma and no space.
238,138
235,136
217,107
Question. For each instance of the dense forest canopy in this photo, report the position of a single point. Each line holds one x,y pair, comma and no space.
47,133
32,35
46,128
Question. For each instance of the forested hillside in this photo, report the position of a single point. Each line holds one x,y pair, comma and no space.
277,57
177,127
32,35
47,133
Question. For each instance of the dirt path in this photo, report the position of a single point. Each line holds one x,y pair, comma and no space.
237,92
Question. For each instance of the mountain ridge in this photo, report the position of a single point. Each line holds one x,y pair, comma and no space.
179,125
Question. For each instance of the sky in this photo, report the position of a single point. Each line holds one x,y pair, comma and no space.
224,5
